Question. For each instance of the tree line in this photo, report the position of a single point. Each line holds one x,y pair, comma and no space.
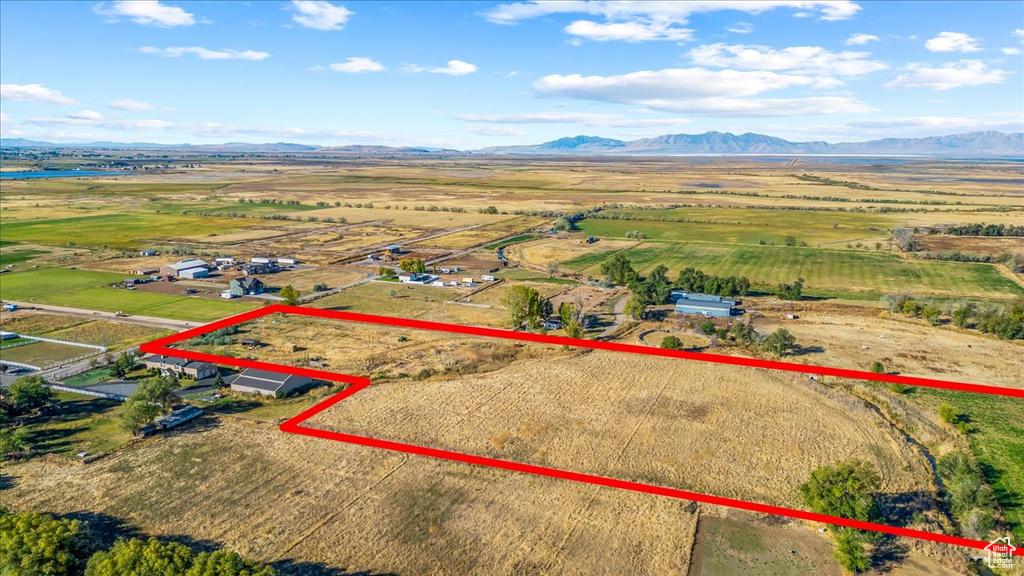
42,544
979,229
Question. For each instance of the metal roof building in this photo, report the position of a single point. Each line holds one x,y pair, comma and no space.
702,304
253,381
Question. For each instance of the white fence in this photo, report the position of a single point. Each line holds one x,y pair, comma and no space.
65,342
85,392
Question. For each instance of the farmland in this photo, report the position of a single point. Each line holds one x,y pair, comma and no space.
315,506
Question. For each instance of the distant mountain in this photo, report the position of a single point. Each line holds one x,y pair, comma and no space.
970,144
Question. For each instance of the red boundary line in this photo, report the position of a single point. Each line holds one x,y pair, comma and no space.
293,425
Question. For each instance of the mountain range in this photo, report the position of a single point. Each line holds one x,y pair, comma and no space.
725,143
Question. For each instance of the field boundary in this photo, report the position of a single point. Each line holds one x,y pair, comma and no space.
358,383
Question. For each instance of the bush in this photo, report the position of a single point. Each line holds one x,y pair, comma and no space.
672,343
779,342
877,367
707,327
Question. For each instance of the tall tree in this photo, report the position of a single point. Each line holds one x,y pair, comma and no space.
290,295
30,393
39,544
619,270
526,306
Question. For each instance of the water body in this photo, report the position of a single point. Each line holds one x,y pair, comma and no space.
58,174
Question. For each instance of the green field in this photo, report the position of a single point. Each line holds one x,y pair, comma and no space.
741,226
510,241
119,230
92,291
997,441
81,424
830,270
8,256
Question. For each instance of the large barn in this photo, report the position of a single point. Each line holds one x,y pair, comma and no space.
702,304
253,381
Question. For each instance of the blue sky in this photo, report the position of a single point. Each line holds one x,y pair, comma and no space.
474,74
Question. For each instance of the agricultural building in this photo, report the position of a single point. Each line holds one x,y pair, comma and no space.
267,383
702,304
192,268
246,286
393,249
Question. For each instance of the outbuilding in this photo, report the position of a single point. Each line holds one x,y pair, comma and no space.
192,268
702,304
267,383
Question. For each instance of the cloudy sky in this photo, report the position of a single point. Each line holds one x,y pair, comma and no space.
474,74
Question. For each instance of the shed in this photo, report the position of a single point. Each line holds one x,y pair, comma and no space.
193,273
178,268
289,261
260,260
267,383
393,249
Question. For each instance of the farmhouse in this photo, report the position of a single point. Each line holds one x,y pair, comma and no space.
246,286
268,383
703,304
179,366
192,268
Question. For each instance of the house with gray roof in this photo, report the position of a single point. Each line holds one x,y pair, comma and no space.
267,383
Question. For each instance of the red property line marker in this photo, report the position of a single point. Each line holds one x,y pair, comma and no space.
294,424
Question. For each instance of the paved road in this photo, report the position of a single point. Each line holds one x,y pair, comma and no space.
152,321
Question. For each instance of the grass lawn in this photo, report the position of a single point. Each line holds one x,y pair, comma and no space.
9,256
79,424
997,441
121,230
91,377
828,270
91,290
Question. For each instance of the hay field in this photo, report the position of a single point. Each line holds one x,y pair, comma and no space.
312,505
652,420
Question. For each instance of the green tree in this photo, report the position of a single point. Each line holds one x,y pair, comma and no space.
218,381
412,265
563,224
290,295
779,342
707,327
386,272
137,557
526,306
226,563
619,270
877,367
158,390
672,343
30,393
490,210
846,490
41,545
636,308
12,441
791,291
744,333
320,287
124,364
849,552
962,315
136,414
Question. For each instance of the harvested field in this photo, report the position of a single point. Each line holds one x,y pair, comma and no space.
309,504
652,420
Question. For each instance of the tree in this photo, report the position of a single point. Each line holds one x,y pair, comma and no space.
779,342
636,308
962,315
225,563
526,306
552,268
563,224
490,210
413,265
790,291
850,552
895,302
290,295
39,544
12,441
846,490
137,557
671,343
218,382
744,333
136,414
124,364
30,393
386,272
158,390
619,270
320,287
931,314
707,327
877,367
905,240
659,286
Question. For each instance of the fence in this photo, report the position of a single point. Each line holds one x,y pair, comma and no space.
86,392
65,342
20,365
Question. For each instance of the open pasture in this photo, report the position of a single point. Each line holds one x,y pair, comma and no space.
830,270
92,290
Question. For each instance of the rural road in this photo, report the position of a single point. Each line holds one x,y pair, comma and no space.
310,297
620,316
152,321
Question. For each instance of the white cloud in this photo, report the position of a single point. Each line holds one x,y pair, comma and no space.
805,59
951,75
453,68
740,28
1019,32
952,42
643,21
32,93
205,53
89,115
628,31
1011,51
357,65
498,131
147,12
701,91
861,39
1002,121
589,119
320,15
96,120
133,105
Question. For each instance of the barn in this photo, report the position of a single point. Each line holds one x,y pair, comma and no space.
192,268
702,304
267,383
